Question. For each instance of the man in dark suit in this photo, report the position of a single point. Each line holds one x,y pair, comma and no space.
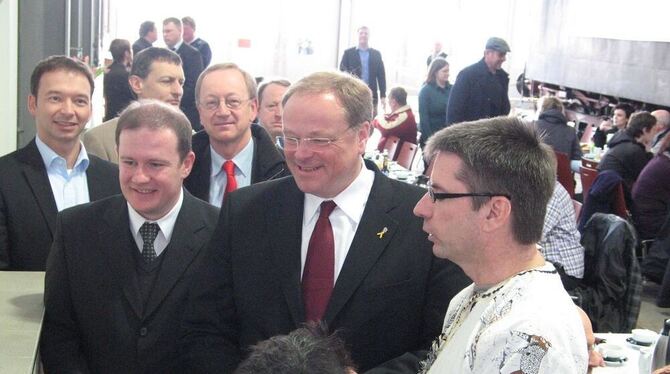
120,268
147,37
196,42
480,90
366,63
229,137
191,62
116,89
53,171
336,243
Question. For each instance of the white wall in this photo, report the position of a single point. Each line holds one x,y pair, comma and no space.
8,73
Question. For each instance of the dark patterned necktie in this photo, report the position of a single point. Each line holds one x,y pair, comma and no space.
149,231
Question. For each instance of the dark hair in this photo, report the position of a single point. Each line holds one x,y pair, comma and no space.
435,66
57,63
352,94
249,81
154,114
639,122
265,84
118,48
143,60
626,108
306,350
174,20
146,27
503,155
188,21
399,95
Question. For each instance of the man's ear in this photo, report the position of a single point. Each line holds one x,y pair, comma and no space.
499,213
32,104
136,84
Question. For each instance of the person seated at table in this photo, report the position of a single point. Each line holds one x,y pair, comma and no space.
484,211
553,125
628,153
400,122
560,239
619,121
651,194
306,350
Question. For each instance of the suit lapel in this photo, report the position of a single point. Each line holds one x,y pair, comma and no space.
199,185
116,233
188,238
36,176
284,225
375,231
98,183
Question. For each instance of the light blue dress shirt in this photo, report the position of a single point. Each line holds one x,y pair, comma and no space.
365,64
217,181
69,186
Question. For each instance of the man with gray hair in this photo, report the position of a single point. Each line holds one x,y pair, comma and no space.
484,211
480,90
662,128
156,74
231,152
270,107
336,243
120,268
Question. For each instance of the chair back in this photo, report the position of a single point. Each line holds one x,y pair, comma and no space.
391,146
587,176
564,173
406,154
619,203
589,163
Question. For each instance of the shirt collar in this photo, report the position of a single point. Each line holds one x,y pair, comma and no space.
351,200
403,108
166,223
242,160
179,43
52,159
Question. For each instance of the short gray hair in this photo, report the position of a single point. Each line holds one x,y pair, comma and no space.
249,81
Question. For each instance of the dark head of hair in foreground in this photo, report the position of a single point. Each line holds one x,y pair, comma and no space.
307,350
143,60
58,63
505,155
155,115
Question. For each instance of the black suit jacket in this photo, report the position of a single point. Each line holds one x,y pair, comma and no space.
389,299
351,62
28,208
191,61
94,318
117,91
268,163
140,44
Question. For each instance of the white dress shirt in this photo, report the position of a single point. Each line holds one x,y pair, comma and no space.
217,179
166,224
69,186
344,219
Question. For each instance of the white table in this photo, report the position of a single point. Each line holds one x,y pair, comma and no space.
632,364
21,312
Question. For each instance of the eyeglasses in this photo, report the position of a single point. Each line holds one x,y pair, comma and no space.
435,196
230,103
291,143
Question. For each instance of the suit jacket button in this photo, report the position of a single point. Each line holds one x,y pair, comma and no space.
143,331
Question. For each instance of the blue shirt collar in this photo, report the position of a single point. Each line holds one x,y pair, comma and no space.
243,160
53,160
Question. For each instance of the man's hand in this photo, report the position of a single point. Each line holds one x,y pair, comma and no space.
606,125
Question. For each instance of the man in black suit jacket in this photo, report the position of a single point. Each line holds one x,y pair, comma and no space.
114,298
147,37
191,62
374,74
116,89
385,293
53,171
196,42
230,134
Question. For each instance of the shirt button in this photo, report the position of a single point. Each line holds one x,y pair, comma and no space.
143,331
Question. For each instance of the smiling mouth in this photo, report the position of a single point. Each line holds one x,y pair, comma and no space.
309,170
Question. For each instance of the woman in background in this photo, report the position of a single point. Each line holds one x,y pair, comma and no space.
433,99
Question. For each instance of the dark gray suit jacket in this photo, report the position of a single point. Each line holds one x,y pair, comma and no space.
191,61
389,299
351,62
95,320
28,208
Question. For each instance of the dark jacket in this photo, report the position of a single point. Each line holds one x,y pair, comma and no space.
351,62
206,52
268,163
139,45
433,101
478,94
600,197
612,285
651,195
116,90
625,156
192,64
553,125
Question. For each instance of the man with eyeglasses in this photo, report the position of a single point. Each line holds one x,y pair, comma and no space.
231,152
336,243
485,212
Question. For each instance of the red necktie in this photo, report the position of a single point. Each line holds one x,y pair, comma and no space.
231,183
318,276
